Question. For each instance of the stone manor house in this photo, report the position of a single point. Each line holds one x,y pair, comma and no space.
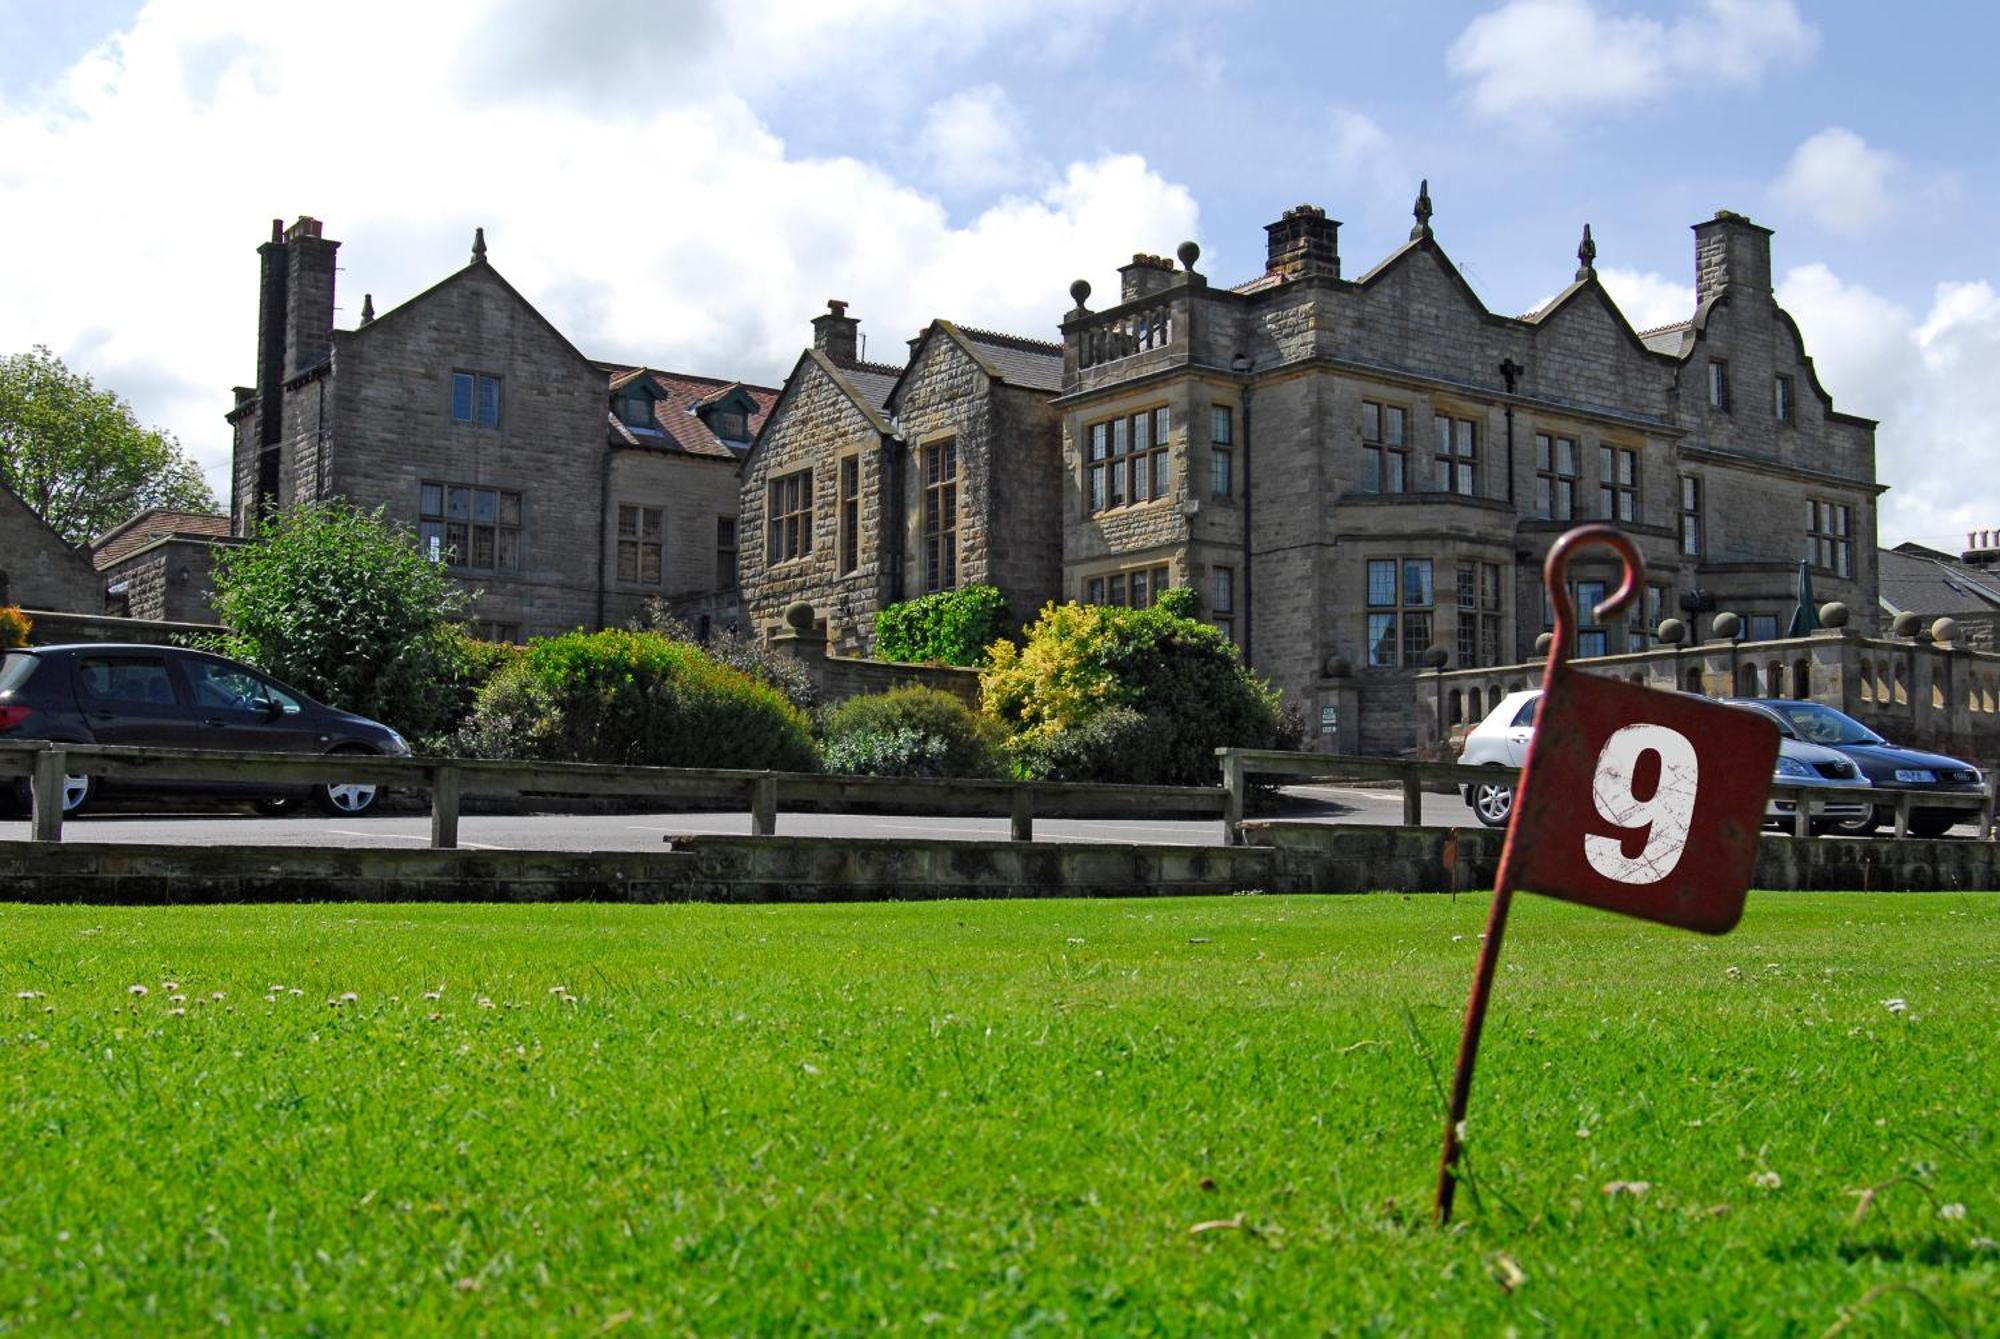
1360,476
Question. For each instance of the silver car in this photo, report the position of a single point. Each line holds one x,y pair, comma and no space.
1501,740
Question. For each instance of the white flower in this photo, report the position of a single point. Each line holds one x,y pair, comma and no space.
558,990
217,996
485,1003
270,999
170,985
1953,1212
1636,1189
1766,1180
177,999
1896,1005
136,989
349,997
433,994
296,990
172,1012
1733,973
27,994
1583,1132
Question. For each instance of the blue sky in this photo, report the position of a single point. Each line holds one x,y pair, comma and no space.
686,182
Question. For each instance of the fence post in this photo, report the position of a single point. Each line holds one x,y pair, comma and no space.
1022,828
1413,799
1986,811
1903,814
45,785
1802,813
1232,783
444,808
764,806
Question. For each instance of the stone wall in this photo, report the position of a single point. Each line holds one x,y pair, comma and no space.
170,580
54,628
693,493
816,424
37,569
840,677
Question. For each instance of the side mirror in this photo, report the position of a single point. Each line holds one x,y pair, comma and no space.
273,708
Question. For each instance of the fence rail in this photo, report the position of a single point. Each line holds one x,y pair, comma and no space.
1238,765
448,780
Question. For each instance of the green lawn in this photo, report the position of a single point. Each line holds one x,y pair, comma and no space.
995,1117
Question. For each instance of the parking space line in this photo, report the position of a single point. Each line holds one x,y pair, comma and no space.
413,837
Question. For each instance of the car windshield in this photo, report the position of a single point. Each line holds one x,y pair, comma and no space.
1822,725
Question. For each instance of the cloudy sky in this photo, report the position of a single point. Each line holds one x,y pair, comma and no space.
684,182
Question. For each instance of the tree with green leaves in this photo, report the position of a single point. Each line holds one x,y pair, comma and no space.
78,455
339,602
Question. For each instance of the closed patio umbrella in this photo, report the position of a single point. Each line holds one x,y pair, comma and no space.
1805,614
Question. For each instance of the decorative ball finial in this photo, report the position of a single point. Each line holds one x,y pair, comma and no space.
479,246
1422,211
367,308
1079,292
1189,252
1586,255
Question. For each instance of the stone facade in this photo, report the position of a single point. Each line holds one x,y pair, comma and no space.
1304,492
943,469
160,565
38,569
466,416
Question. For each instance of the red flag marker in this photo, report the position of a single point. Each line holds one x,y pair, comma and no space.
1633,800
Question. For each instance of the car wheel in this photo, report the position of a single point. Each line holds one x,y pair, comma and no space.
1931,827
346,799
77,791
278,806
1492,804
1856,827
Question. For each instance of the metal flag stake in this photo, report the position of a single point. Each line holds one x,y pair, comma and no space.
1632,800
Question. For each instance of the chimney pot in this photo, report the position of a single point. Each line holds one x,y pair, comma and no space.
1303,241
836,334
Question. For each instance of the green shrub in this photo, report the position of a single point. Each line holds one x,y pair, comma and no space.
904,752
14,627
747,652
471,665
952,627
634,698
965,740
339,602
1180,677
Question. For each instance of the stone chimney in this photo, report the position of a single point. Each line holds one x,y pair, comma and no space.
1730,250
1982,550
1304,241
1145,276
836,334
272,273
308,295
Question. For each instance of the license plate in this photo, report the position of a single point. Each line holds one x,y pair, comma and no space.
1916,776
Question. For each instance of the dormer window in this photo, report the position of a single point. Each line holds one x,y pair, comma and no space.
731,425
635,409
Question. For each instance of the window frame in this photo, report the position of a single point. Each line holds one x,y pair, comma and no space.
503,535
1118,470
1118,587
1456,454
484,402
1552,481
727,551
788,513
1718,385
1381,455
1480,590
848,486
1391,617
1222,452
1830,537
940,515
1694,516
1617,496
640,543
1785,400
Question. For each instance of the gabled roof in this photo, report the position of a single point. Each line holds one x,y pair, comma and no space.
1015,360
482,267
153,524
866,386
683,399
1927,582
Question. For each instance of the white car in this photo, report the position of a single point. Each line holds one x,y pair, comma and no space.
1501,740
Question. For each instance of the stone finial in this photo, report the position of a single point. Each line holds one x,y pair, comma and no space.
799,616
1543,642
1833,614
1945,630
1672,631
1727,625
1079,292
1422,211
1906,624
479,246
367,308
1586,256
1189,252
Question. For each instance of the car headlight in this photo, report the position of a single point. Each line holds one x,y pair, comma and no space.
1967,774
1792,767
398,746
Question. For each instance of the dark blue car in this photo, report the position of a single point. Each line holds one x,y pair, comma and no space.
1883,763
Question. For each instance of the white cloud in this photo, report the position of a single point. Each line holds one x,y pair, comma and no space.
973,141
1364,158
684,233
1532,59
1926,381
1840,182
1647,299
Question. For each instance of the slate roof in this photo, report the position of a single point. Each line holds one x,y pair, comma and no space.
1033,364
1667,339
154,524
872,381
1930,583
680,427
